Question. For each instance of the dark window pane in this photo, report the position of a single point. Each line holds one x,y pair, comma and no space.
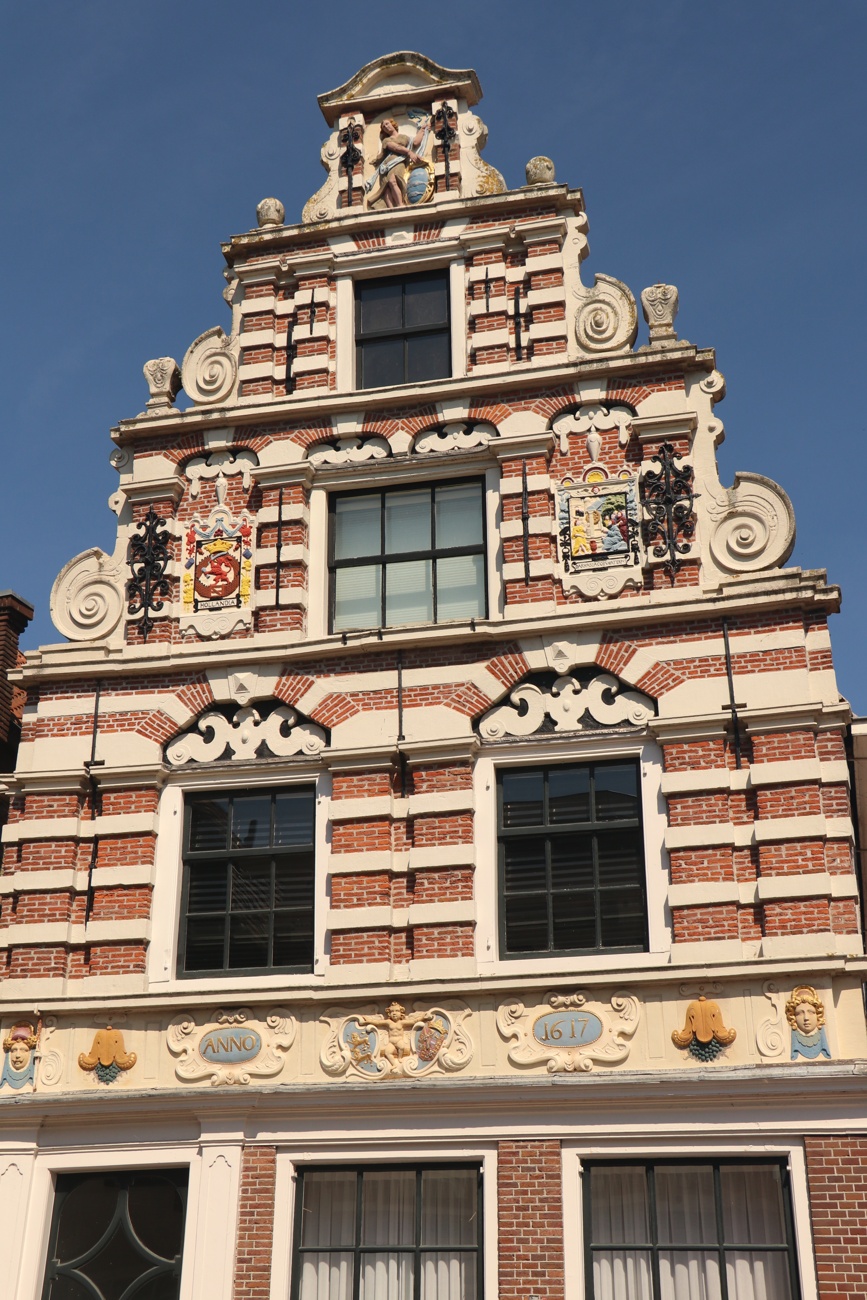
569,794
209,825
524,865
251,886
293,939
523,795
115,1266
380,363
571,862
573,918
527,923
66,1288
164,1287
156,1212
426,300
251,822
380,305
622,915
293,817
205,937
620,859
293,881
616,792
249,940
85,1215
428,356
207,891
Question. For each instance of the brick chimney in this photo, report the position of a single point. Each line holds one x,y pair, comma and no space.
15,614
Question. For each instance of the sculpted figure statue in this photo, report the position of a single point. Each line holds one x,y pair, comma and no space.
398,1026
19,1066
805,1013
396,149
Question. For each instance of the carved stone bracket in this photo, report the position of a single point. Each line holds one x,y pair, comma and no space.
567,1033
400,1044
234,1048
566,703
607,318
455,435
348,451
246,736
754,525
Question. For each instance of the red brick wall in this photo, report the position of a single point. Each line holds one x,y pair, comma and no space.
837,1178
530,1220
255,1224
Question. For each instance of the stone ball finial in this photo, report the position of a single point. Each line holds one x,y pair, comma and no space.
270,212
540,171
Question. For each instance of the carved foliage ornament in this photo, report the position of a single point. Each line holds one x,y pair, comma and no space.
703,1035
233,1049
569,1033
602,701
247,735
400,1044
107,1056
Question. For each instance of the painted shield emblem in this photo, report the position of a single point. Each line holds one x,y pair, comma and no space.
430,1039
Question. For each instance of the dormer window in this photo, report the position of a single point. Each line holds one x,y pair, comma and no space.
402,333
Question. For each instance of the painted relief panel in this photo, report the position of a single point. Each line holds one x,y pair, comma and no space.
217,572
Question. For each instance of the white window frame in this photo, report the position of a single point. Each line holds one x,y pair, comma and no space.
575,1152
291,1158
360,267
207,1272
162,963
590,747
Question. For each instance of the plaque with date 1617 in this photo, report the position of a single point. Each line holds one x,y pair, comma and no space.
567,1028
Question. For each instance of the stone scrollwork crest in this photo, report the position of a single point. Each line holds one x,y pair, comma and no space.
601,701
770,1036
210,368
348,451
754,525
481,177
221,465
592,420
323,204
607,317
400,1044
87,598
454,436
247,735
568,1033
234,1048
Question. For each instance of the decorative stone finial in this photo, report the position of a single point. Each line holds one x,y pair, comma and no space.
540,171
164,382
659,304
270,212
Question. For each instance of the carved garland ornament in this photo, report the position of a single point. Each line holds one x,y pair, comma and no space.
455,435
566,703
703,1035
233,1049
400,1044
246,736
570,1033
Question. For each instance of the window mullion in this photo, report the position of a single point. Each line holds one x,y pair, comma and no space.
654,1232
416,1280
720,1231
356,1265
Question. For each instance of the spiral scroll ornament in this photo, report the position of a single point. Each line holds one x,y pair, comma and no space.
607,318
87,597
757,530
210,368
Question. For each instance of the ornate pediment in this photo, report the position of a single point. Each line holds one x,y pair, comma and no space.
226,733
405,76
577,702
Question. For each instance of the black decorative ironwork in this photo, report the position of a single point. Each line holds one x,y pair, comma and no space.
148,558
732,706
519,346
525,521
350,138
668,498
445,129
487,289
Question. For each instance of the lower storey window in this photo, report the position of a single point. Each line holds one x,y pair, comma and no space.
714,1230
117,1236
405,1233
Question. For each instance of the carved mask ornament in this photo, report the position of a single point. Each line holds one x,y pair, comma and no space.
107,1056
703,1035
19,1067
805,1012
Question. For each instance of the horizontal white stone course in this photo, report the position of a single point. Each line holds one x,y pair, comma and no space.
59,828
788,772
441,855
22,882
375,918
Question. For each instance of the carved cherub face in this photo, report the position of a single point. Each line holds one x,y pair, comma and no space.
395,1012
805,1010
806,1018
19,1044
19,1055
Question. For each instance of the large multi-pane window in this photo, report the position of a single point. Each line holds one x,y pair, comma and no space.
408,555
704,1230
397,1233
571,863
248,882
402,333
117,1236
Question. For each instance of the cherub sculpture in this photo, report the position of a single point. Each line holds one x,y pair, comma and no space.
398,1027
19,1045
805,1012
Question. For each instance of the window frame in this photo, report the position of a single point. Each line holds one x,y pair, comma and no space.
591,829
384,558
357,1249
359,338
653,1247
190,797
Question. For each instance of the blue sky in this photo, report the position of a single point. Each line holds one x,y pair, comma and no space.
719,146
